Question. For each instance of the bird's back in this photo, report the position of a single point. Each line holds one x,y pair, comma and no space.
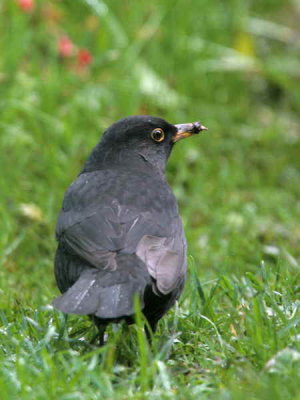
119,234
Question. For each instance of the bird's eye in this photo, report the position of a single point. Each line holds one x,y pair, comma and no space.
158,135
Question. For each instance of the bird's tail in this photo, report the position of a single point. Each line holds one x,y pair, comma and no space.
107,294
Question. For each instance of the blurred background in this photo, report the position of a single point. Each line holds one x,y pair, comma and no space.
68,69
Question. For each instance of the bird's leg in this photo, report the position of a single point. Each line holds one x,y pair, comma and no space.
99,337
101,329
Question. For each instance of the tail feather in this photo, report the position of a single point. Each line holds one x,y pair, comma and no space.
107,294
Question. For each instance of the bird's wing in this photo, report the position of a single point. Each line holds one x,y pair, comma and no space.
100,218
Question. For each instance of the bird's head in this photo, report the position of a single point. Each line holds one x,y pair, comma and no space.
141,137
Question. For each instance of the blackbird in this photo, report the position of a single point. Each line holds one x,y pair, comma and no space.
119,232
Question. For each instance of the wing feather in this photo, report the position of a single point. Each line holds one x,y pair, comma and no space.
95,226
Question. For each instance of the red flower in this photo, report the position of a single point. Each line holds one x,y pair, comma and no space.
65,46
84,58
26,5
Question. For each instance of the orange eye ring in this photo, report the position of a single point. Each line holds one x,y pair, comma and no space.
158,135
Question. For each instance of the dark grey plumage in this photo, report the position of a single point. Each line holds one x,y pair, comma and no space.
119,233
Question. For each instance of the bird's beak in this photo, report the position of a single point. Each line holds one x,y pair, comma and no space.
186,130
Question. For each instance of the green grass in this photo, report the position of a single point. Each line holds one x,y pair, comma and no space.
235,66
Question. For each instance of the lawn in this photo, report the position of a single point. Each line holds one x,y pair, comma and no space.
68,69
